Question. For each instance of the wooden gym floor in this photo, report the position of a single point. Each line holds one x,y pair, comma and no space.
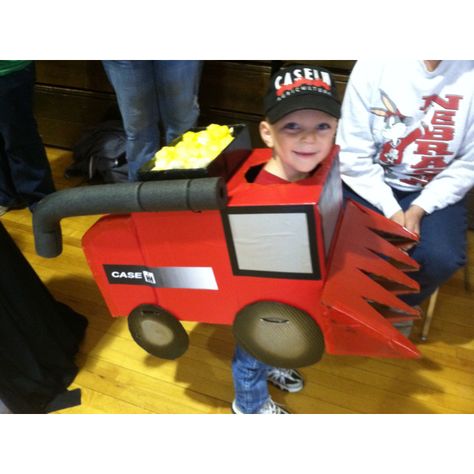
117,376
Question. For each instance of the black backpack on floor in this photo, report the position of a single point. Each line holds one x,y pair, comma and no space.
100,153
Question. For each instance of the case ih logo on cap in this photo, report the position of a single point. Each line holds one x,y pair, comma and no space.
298,88
198,278
298,78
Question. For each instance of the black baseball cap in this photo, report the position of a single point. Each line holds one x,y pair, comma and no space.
301,87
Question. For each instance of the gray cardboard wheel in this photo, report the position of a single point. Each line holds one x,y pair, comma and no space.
279,335
158,332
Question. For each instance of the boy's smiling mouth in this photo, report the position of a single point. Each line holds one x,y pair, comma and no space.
305,154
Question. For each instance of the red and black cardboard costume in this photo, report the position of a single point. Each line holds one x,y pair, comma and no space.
293,244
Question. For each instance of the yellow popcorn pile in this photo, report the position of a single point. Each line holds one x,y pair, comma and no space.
195,149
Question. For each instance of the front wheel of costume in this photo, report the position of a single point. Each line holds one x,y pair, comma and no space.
158,332
279,335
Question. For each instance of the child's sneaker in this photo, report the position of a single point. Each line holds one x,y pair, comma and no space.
268,408
289,380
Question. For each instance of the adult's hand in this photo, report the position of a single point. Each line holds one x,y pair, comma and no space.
413,216
411,220
399,218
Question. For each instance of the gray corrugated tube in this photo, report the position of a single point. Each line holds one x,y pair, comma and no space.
121,198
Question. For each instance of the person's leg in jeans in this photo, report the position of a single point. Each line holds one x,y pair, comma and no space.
25,173
177,87
134,85
250,381
442,247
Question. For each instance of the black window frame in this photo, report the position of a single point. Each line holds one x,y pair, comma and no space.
308,210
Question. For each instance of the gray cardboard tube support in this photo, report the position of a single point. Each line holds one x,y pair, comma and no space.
151,196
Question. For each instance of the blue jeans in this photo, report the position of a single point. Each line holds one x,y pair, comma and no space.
25,173
153,95
250,381
442,247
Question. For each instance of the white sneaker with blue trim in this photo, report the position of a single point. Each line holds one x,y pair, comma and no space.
289,380
268,408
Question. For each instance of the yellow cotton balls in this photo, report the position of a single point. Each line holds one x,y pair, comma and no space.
195,149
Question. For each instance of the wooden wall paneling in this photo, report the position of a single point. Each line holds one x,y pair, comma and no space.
234,86
74,95
70,96
85,75
62,113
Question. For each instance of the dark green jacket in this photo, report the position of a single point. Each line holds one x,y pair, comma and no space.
7,67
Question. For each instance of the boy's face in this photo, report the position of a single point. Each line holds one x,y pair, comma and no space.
300,141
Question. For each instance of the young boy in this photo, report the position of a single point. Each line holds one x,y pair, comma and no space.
301,114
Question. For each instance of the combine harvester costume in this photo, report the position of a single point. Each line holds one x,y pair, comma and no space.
292,269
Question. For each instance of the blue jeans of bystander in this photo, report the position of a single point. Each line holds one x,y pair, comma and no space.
25,173
153,95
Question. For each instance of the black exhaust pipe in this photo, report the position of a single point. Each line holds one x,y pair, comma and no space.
121,198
